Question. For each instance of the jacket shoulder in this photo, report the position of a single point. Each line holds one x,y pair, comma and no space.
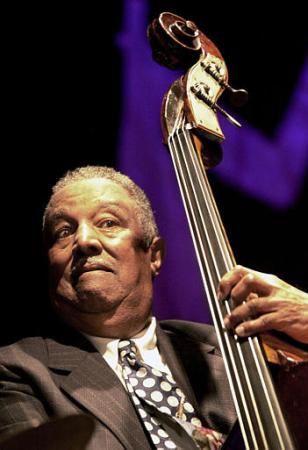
24,349
200,332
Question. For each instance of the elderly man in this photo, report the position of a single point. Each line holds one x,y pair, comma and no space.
145,384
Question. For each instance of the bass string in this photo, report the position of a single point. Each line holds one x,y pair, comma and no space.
183,152
264,402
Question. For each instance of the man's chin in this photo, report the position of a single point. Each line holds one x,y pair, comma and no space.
88,302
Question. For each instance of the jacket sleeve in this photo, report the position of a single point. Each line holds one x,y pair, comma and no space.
20,408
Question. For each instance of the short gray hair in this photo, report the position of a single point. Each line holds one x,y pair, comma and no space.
145,215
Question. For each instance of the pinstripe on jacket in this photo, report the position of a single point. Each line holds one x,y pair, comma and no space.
46,378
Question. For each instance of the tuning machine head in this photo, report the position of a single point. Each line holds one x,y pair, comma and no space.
238,97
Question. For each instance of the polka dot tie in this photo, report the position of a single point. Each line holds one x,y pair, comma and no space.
150,389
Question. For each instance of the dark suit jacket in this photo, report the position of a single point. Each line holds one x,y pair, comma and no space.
45,378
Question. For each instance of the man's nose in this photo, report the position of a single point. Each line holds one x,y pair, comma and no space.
87,240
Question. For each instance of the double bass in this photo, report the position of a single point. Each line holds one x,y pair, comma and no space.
266,375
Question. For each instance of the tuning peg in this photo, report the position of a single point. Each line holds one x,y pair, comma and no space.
227,115
204,93
238,97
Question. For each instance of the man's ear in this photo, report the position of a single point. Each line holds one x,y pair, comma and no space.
157,250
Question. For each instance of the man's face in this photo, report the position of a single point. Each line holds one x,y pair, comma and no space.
100,277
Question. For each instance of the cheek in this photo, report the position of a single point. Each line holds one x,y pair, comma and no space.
58,265
137,266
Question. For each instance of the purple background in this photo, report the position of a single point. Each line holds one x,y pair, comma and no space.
254,163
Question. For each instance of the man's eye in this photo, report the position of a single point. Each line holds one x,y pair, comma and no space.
107,223
63,233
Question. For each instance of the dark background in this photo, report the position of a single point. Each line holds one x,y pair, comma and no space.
62,107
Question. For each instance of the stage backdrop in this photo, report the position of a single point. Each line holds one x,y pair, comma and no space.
255,163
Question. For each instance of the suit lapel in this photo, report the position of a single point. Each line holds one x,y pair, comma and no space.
199,368
94,385
175,365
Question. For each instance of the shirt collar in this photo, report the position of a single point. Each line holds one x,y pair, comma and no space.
108,347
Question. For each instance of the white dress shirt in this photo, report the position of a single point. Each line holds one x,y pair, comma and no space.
146,343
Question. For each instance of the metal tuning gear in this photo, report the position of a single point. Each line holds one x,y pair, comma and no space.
238,97
203,92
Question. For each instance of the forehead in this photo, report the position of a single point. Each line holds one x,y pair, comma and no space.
92,193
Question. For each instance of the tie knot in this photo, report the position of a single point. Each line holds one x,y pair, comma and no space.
127,350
